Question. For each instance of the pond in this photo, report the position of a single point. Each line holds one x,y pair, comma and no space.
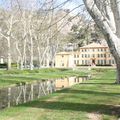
68,82
22,93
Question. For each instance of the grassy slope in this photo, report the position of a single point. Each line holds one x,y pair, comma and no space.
99,95
16,76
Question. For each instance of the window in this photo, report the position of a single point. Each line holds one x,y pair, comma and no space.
88,55
98,55
98,62
85,55
62,55
113,62
110,62
82,55
83,62
74,56
102,62
62,64
77,56
77,62
74,61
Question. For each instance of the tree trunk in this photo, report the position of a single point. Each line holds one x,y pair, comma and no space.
9,55
118,72
21,63
31,54
9,62
108,21
39,57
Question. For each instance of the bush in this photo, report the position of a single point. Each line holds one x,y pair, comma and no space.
14,65
83,65
4,65
103,65
31,71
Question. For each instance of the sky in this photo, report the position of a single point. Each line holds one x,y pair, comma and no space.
69,5
72,4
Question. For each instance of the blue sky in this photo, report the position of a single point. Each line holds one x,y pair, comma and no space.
70,5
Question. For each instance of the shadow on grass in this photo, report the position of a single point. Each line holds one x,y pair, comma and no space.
101,79
98,83
88,92
101,108
8,81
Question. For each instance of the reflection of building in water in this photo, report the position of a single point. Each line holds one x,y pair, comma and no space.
92,54
62,83
67,82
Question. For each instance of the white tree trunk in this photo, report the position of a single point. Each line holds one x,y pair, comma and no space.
109,24
31,54
9,42
31,41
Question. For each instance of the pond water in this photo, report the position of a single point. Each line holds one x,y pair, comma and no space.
68,82
22,93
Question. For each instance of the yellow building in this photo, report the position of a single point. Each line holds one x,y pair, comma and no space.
92,54
64,59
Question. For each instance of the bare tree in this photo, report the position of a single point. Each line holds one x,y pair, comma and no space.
6,32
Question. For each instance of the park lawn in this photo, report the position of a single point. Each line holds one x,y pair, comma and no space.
98,96
16,76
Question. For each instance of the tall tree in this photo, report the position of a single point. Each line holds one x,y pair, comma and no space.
106,14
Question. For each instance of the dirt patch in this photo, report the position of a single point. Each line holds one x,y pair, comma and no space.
94,116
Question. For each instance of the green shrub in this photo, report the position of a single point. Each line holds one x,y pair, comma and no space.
103,65
4,65
14,65
100,69
31,71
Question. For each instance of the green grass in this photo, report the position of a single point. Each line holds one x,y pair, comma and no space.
98,95
16,76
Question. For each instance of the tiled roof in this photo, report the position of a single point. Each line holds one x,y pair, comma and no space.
94,45
64,53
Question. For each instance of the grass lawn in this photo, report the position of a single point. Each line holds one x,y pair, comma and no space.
17,76
95,99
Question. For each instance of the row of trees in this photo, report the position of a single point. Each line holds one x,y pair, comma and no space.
23,33
32,36
28,35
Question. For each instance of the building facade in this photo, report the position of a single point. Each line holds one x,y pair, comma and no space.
64,59
93,54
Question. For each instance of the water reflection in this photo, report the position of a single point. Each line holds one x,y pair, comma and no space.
68,82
